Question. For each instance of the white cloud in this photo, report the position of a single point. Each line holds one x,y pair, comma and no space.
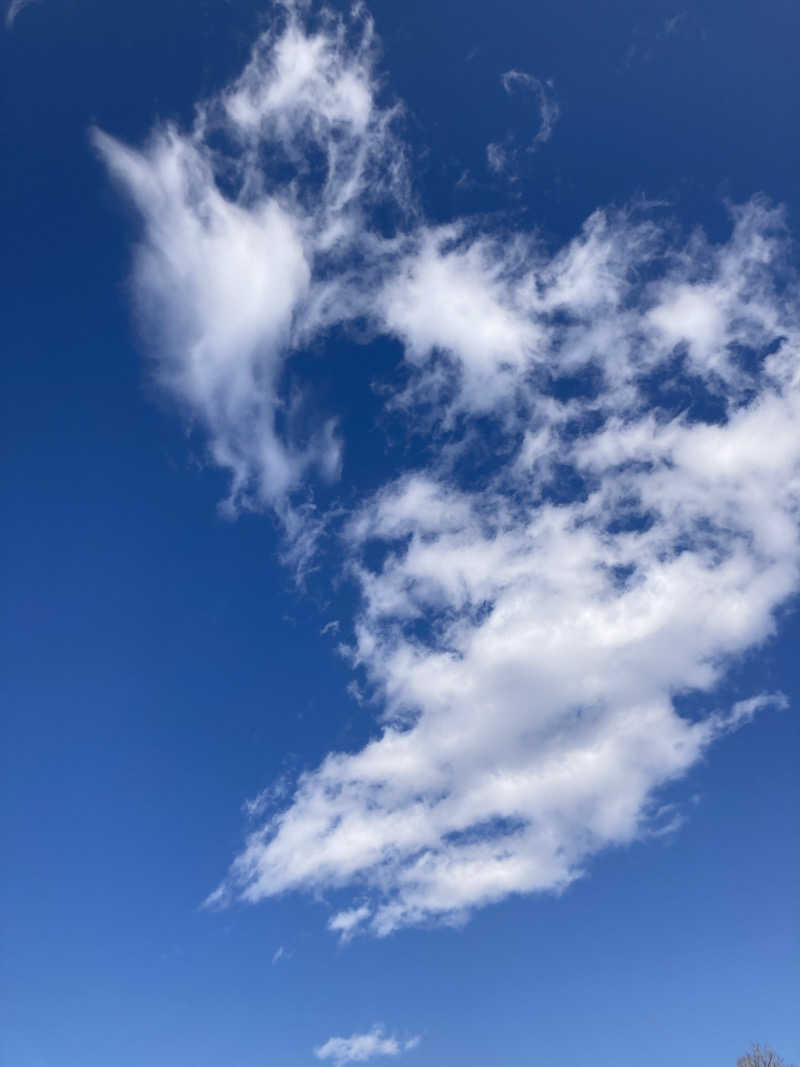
345,923
496,156
456,294
240,264
602,517
527,641
362,1047
268,798
222,282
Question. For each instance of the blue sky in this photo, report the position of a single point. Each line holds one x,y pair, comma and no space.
400,424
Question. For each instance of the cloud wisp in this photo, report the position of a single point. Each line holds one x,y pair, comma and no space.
601,515
13,10
249,250
504,155
358,1048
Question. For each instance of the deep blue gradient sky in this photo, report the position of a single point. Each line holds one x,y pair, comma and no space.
160,665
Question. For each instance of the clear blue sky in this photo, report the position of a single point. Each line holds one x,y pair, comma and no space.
498,520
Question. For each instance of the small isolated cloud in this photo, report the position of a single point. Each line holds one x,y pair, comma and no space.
331,628
504,155
278,954
347,922
358,1048
14,8
549,109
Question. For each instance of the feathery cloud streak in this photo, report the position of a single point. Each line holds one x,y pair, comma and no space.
534,616
502,155
13,10
247,253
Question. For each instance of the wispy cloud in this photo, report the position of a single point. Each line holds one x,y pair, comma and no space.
649,36
532,617
502,155
358,1048
237,268
549,109
268,798
345,923
14,8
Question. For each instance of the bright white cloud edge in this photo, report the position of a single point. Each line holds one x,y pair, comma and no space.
527,638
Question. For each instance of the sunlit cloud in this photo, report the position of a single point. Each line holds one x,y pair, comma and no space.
358,1048
601,512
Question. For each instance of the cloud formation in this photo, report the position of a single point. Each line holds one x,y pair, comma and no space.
247,254
362,1047
602,516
